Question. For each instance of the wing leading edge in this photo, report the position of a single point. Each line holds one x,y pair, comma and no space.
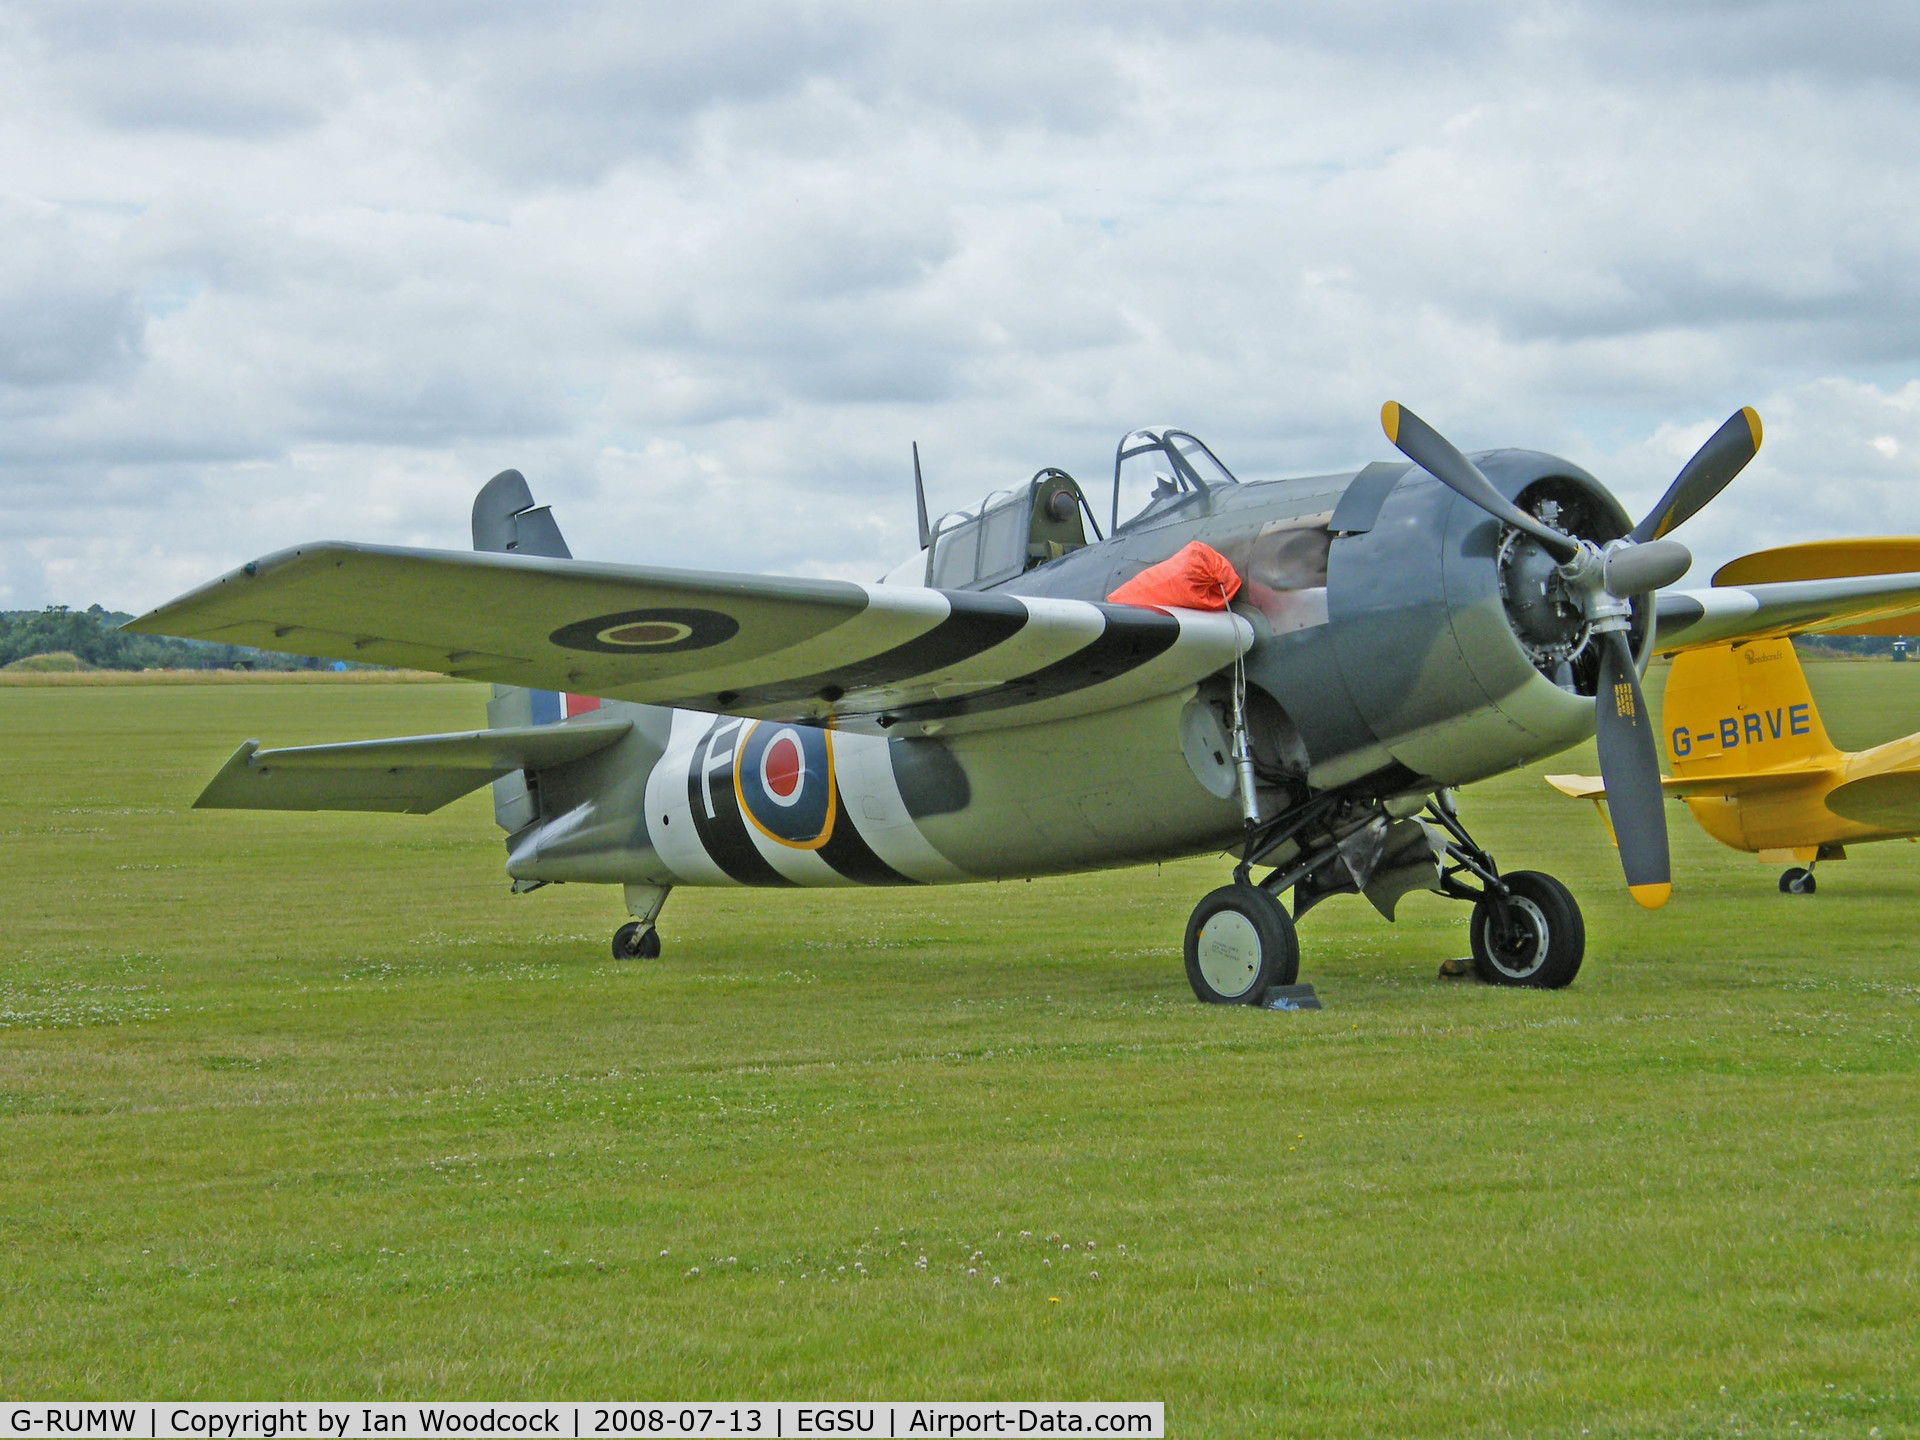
867,657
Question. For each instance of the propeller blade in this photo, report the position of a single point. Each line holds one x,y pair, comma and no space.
1636,569
1435,454
1715,463
1631,768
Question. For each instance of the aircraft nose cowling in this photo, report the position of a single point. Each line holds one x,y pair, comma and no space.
1459,656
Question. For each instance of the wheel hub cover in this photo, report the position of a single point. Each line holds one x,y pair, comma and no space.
1526,950
1229,952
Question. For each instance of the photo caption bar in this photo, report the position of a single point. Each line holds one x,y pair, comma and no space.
228,1420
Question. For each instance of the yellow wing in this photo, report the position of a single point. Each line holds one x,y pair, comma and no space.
1831,560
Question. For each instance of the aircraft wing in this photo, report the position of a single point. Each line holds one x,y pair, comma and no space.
870,657
409,776
1830,559
1728,614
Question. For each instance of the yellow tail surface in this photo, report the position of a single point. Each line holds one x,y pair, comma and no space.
1741,708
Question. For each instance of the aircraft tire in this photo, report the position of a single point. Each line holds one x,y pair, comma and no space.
1552,938
1240,943
1797,881
630,942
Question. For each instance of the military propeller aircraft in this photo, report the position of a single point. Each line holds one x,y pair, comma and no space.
1347,651
1751,758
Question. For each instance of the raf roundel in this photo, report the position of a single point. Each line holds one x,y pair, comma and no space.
784,777
657,631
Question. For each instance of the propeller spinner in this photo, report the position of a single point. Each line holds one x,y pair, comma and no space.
1601,581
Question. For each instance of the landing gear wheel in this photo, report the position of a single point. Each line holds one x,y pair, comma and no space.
630,942
1545,941
1797,881
1239,944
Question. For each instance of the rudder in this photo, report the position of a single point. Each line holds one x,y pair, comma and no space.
506,520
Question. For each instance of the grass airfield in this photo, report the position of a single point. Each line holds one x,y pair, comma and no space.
310,1106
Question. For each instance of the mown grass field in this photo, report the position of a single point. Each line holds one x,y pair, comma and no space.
311,1106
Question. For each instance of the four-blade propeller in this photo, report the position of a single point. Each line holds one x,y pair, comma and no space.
1601,581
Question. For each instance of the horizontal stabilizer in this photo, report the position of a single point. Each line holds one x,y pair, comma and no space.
1888,802
1579,787
1687,787
869,657
411,775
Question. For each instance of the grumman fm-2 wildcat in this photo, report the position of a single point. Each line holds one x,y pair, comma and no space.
984,711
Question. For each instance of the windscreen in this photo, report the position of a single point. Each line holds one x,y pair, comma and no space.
1156,470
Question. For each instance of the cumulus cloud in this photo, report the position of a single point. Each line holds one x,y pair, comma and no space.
702,273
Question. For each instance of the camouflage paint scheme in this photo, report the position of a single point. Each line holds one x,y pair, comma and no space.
766,731
1384,657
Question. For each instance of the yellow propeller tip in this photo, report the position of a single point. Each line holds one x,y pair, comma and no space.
1650,897
1753,423
1390,420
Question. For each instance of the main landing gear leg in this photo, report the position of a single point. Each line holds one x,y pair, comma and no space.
1240,940
1526,927
637,939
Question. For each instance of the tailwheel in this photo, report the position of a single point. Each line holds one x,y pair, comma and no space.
632,942
1240,943
1540,940
1797,881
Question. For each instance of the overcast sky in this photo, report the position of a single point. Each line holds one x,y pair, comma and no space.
276,273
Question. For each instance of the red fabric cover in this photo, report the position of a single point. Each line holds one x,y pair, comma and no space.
1196,578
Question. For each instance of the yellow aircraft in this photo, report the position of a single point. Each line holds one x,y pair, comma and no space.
1750,756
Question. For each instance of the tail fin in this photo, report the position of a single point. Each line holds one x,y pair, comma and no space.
506,519
1741,707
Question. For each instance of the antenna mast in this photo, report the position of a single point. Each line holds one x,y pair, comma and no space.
920,499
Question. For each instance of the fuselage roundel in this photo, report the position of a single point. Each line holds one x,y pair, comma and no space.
780,781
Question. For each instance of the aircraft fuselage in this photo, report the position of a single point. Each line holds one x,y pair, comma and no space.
1385,660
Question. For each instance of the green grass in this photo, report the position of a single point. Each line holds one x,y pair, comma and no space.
311,1106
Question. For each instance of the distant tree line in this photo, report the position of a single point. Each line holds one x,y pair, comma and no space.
95,636
1852,644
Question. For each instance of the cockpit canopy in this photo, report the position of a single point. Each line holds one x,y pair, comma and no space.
1156,472
1011,531
1159,470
